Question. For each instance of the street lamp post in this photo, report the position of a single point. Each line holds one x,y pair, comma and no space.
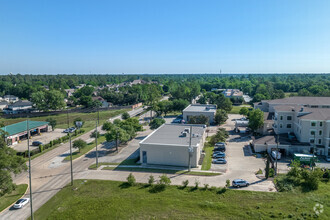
97,158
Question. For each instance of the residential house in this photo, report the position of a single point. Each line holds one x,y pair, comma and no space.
10,98
22,106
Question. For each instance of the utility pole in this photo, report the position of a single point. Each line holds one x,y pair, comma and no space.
67,117
97,158
190,149
117,139
98,115
278,139
30,182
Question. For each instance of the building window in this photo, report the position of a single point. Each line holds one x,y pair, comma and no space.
281,117
320,141
288,126
313,123
314,106
311,140
281,126
289,118
312,132
320,132
321,123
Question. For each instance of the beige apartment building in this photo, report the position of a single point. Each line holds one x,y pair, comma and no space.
305,118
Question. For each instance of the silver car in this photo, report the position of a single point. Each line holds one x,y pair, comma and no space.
239,183
21,202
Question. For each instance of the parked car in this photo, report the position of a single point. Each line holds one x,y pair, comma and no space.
72,129
66,130
21,202
219,161
239,183
219,154
36,143
220,144
177,120
219,149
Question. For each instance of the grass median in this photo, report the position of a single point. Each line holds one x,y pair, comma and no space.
99,199
12,197
235,109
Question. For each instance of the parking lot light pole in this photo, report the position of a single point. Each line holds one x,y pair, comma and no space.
30,183
67,117
276,155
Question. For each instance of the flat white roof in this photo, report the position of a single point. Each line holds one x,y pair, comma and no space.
200,108
171,134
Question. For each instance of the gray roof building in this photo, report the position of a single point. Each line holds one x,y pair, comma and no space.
169,145
199,109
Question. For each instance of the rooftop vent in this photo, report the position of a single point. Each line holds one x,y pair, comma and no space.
302,109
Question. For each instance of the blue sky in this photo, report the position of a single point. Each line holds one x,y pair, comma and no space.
164,36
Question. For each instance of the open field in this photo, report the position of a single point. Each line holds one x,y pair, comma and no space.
9,199
235,109
61,119
97,199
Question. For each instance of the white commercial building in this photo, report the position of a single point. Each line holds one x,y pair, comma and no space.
169,145
199,109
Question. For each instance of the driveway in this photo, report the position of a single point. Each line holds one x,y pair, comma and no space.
44,138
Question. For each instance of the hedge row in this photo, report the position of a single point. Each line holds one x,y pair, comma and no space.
49,145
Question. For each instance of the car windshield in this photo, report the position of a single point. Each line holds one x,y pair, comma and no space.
19,201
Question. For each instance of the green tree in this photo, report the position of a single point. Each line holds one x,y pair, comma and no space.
107,126
52,122
220,136
179,104
48,100
125,116
156,123
199,119
244,111
256,119
80,144
220,117
9,163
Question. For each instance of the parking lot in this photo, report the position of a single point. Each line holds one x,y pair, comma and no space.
241,163
45,138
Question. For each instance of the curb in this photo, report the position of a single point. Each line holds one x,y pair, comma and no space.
15,200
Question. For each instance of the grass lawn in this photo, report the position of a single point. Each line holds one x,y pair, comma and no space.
83,151
61,119
208,149
125,162
155,170
9,199
99,199
235,109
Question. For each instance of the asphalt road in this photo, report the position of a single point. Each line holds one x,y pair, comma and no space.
47,180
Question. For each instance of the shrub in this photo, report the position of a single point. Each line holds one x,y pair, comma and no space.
151,180
196,184
164,180
95,134
156,123
51,143
206,186
41,147
271,172
125,116
227,183
81,131
259,171
185,183
222,190
131,180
